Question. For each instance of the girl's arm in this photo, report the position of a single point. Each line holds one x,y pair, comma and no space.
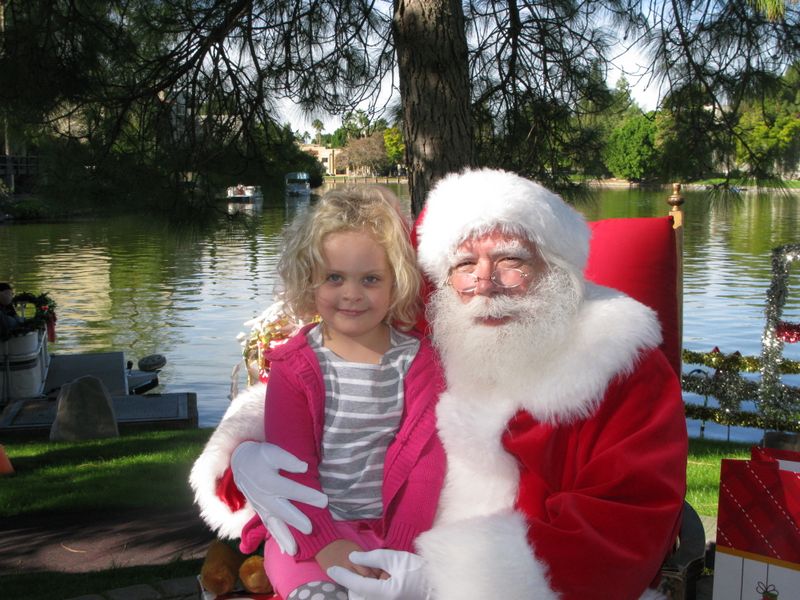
289,422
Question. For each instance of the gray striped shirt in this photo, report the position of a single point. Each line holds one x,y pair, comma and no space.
363,409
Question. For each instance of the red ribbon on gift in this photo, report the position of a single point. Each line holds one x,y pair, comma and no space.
759,506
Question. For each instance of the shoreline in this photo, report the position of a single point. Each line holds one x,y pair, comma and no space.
611,183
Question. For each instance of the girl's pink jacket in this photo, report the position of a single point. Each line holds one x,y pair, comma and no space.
415,462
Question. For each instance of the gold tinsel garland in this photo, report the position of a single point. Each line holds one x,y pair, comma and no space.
273,327
775,400
778,404
735,362
738,418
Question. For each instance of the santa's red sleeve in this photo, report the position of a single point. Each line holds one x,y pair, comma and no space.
617,492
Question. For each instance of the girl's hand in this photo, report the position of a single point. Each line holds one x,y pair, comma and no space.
407,578
337,554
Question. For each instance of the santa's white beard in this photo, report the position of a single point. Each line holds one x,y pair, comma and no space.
499,357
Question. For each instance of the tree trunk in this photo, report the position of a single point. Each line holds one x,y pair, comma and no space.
6,142
431,45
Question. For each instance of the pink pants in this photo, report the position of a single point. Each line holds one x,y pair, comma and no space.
287,573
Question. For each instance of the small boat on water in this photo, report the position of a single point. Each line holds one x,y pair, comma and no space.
28,370
244,198
31,379
244,193
298,183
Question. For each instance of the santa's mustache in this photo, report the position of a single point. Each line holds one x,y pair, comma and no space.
496,307
500,356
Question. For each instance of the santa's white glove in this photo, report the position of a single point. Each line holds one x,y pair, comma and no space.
255,467
407,578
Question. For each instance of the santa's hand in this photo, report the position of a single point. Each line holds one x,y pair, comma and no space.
407,579
255,467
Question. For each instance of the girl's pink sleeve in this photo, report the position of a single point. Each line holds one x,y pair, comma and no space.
421,460
289,422
416,509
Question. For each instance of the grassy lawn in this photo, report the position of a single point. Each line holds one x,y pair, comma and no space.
102,474
702,472
108,474
99,474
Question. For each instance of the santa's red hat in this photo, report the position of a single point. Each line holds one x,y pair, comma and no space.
478,201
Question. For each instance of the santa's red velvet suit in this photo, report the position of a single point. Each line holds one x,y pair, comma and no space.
581,500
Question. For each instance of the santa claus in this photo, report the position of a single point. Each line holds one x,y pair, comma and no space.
562,421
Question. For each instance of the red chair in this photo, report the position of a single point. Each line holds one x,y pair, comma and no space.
642,257
639,256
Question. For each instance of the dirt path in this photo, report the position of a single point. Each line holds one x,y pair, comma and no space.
78,543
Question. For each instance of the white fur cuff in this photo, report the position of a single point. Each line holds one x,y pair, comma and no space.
484,557
244,420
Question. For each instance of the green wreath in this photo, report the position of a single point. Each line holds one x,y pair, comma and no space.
44,313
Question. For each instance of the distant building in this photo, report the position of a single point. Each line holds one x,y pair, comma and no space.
327,156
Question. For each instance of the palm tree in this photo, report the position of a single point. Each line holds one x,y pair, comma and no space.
318,127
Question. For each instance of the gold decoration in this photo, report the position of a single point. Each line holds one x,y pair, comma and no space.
735,361
778,404
270,329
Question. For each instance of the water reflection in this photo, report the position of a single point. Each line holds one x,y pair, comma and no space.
141,286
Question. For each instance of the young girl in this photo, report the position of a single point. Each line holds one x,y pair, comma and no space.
353,395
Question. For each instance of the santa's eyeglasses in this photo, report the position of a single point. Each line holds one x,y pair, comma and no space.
465,282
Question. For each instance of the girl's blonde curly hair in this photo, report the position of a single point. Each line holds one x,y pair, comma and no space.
372,209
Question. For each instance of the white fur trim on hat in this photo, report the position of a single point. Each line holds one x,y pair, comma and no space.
478,201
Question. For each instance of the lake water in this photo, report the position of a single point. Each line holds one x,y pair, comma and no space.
142,286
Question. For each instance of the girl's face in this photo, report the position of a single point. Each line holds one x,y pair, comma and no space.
356,286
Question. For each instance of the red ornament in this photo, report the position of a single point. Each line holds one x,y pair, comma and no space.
788,332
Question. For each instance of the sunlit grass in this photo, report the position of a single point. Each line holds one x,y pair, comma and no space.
133,471
145,470
702,472
108,474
